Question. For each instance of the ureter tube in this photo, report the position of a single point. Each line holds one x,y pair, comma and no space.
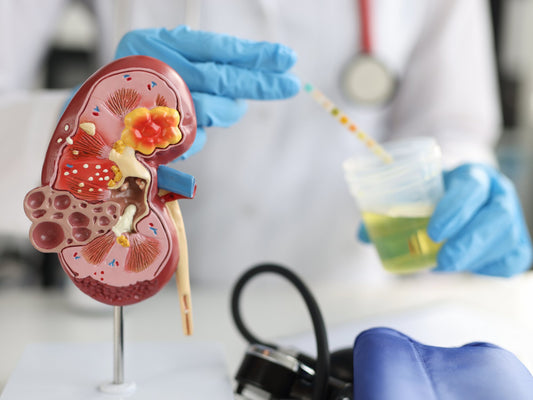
340,116
182,272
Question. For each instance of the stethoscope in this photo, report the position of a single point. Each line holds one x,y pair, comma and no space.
366,80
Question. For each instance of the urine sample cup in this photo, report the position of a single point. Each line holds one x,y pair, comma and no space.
397,199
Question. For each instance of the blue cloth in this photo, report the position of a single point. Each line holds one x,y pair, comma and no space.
389,365
220,71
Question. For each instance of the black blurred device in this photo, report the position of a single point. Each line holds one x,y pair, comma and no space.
268,371
283,374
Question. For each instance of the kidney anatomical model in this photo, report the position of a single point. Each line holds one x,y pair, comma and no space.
117,234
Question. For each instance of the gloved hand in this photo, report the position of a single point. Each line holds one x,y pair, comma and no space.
481,219
220,71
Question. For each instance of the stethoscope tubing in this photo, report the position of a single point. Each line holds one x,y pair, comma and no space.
365,26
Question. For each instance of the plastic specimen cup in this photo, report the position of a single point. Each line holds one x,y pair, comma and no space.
397,199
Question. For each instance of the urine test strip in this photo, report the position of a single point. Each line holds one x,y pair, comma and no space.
331,108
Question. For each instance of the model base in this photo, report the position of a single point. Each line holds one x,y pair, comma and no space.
83,371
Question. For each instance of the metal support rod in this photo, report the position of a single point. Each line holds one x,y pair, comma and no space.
118,343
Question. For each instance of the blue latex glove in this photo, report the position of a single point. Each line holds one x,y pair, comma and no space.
362,234
220,71
481,219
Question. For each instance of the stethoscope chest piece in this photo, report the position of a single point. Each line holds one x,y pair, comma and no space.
366,80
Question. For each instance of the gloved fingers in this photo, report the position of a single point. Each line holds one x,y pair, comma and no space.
516,261
467,189
202,46
197,145
362,234
216,78
489,235
239,83
217,110
520,255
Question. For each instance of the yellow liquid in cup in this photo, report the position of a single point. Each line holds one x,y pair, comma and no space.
402,241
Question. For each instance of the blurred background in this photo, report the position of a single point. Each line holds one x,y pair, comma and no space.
72,57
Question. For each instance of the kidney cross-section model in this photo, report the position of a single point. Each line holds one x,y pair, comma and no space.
99,206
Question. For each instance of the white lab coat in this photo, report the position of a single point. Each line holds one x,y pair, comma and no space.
271,187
